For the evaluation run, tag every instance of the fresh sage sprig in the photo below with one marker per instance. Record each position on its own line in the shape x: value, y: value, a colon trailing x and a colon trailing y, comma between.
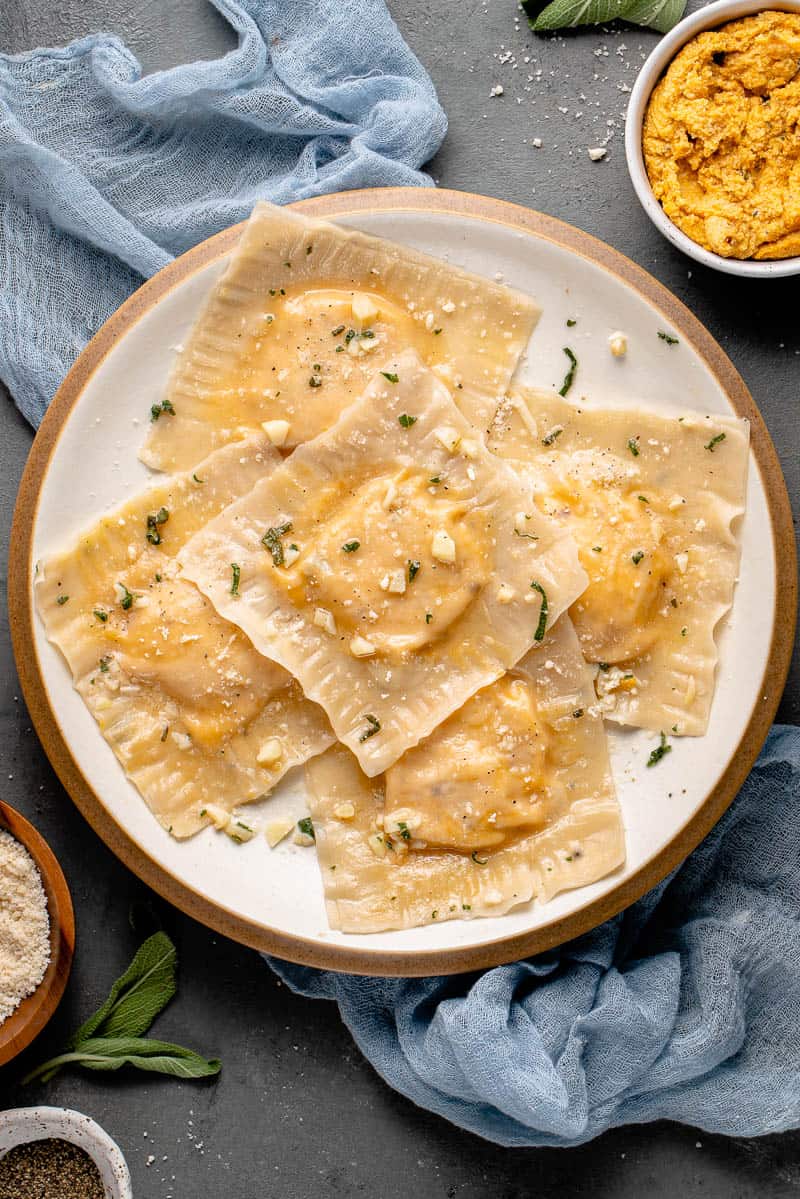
x: 660, y: 15
x: 113, y: 1036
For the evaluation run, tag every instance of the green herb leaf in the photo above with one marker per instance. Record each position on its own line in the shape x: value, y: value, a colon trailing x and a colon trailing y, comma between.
x: 407, y: 421
x: 236, y: 574
x: 315, y: 381
x: 157, y: 410
x: 112, y: 1038
x: 197, y: 479
x: 374, y: 727
x: 306, y: 826
x: 708, y: 446
x: 272, y: 541
x: 633, y: 446
x: 62, y: 599
x: 542, y: 625
x: 566, y: 14
x: 391, y: 376
x: 111, y: 1053
x: 478, y: 861
x: 553, y: 434
x: 404, y: 830
x: 350, y: 547
x: 570, y: 375
x: 668, y: 338
x: 659, y: 752
x: 137, y: 996
x: 428, y: 617
x: 637, y: 557
x: 413, y: 570
x: 337, y: 331
x: 571, y: 322
x: 100, y: 615
x: 126, y: 603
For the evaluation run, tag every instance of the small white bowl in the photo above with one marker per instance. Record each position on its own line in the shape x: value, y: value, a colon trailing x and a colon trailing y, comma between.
x: 24, y: 1124
x: 710, y: 17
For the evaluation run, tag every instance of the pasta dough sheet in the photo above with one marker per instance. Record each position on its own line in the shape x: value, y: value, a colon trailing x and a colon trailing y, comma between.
x: 193, y: 713
x: 393, y: 565
x: 510, y: 799
x: 298, y: 322
x: 651, y: 499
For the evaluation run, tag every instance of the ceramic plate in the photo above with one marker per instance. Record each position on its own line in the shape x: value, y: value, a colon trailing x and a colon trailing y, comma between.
x: 84, y: 460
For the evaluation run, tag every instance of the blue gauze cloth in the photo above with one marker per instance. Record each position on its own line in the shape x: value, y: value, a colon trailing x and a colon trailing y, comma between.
x: 106, y: 176
x: 685, y: 1007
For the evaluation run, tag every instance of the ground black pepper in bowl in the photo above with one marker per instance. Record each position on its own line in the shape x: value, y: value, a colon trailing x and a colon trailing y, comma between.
x: 49, y: 1169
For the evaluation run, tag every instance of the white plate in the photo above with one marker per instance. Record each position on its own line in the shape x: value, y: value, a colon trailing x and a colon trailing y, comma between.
x: 272, y: 898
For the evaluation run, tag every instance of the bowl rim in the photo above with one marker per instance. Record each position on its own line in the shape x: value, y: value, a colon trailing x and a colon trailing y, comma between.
x: 709, y: 17
x: 65, y: 1124
x: 30, y: 1016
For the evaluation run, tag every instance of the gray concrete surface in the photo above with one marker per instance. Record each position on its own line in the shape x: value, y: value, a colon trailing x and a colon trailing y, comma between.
x: 297, y: 1111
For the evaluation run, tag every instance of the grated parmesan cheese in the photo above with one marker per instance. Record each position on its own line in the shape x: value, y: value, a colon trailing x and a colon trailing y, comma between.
x: 24, y: 925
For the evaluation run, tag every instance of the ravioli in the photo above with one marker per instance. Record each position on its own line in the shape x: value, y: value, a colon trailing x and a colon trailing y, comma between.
x: 393, y: 565
x: 651, y: 500
x: 295, y: 327
x: 193, y: 713
x: 510, y: 799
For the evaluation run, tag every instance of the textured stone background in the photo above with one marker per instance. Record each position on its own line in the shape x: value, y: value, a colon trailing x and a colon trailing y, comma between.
x: 297, y: 1111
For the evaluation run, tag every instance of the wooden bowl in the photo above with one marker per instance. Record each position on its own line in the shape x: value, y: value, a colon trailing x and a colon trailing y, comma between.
x: 28, y: 1020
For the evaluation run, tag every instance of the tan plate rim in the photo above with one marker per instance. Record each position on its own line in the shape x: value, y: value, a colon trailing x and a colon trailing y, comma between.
x: 28, y: 1020
x: 347, y: 958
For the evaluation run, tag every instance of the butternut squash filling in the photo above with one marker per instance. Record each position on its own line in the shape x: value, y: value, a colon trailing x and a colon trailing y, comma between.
x: 478, y: 780
x: 622, y: 547
x: 393, y: 560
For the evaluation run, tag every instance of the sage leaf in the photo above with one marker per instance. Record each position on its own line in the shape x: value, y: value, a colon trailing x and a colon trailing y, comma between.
x: 137, y: 997
x: 112, y: 1038
x: 111, y: 1053
x: 566, y: 14
x: 660, y: 15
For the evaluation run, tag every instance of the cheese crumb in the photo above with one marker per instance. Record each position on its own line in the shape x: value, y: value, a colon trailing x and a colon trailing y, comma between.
x: 361, y: 648
x: 276, y: 430
x: 598, y: 153
x: 344, y: 811
x: 448, y: 437
x: 276, y: 830
x: 364, y: 308
x: 270, y: 753
x: 497, y: 90
x: 618, y: 344
x: 443, y: 547
x: 323, y: 619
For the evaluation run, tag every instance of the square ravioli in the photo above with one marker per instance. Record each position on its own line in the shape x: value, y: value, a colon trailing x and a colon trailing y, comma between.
x: 295, y: 327
x: 199, y: 720
x: 393, y: 565
x: 650, y: 499
x: 510, y: 799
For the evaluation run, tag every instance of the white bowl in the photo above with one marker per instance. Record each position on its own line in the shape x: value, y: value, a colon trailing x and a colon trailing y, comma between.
x: 710, y: 17
x: 24, y: 1124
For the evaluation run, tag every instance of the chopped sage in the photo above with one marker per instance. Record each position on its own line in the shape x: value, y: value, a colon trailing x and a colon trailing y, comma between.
x: 570, y: 375
x: 374, y: 727
x: 236, y: 574
x: 272, y: 541
x: 659, y: 752
x: 714, y: 442
x: 542, y: 625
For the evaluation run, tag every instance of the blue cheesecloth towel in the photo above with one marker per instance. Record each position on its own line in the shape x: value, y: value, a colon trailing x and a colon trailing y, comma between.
x: 105, y: 176
x: 684, y: 1007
